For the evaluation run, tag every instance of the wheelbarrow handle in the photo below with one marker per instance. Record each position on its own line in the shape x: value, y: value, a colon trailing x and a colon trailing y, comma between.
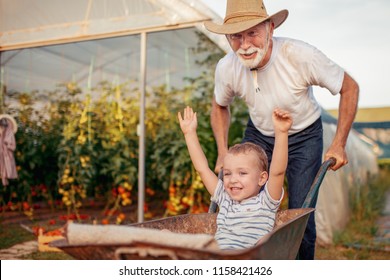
x: 314, y: 188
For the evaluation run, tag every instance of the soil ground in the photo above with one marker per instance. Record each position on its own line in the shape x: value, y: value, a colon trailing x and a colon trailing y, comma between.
x: 52, y: 219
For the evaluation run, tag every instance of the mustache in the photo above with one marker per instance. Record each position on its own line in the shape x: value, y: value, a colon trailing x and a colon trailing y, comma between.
x: 248, y: 51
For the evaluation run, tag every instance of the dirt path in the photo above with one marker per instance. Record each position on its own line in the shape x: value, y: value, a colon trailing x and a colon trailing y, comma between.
x: 44, y: 214
x: 383, y: 237
x: 17, y: 251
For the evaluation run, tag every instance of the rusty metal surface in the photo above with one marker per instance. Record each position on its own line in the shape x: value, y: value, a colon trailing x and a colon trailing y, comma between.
x: 282, y: 243
x: 189, y: 223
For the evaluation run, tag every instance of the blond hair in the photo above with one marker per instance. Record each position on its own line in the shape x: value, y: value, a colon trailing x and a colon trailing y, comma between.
x: 247, y: 147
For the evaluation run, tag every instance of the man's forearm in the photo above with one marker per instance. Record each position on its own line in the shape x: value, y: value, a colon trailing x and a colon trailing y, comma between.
x: 349, y: 96
x: 347, y: 110
x: 220, y: 122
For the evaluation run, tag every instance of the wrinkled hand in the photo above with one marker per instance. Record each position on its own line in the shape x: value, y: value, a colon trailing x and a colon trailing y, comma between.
x: 189, y: 121
x: 339, y: 154
x: 282, y: 120
x: 219, y: 164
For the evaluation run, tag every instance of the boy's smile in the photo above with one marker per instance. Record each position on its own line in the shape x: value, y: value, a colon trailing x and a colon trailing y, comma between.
x: 242, y: 176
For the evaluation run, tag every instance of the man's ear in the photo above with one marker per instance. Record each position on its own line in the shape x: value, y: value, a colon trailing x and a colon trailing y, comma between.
x: 263, y: 178
x: 271, y: 28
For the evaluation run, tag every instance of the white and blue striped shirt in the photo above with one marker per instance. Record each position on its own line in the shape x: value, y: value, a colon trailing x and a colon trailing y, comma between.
x: 241, y: 224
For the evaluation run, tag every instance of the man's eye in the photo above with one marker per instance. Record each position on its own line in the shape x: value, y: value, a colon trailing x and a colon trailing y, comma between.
x: 236, y: 36
x: 253, y: 34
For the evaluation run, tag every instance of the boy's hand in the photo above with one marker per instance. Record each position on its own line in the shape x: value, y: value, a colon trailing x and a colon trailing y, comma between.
x: 189, y: 121
x: 282, y: 120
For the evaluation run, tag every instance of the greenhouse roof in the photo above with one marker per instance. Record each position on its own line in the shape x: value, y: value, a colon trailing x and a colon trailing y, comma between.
x: 26, y: 23
x: 34, y: 37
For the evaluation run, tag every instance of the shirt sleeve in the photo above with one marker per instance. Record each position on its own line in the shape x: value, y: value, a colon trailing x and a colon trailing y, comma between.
x: 326, y: 73
x: 272, y: 203
x: 223, y: 90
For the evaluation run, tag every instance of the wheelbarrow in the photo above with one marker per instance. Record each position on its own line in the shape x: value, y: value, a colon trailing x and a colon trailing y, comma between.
x: 282, y: 242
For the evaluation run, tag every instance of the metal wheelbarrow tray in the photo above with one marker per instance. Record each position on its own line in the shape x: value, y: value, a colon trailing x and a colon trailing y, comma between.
x: 281, y: 243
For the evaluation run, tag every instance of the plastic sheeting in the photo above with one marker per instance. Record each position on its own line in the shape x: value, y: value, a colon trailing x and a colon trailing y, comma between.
x: 333, y: 206
x: 169, y: 55
x: 31, y: 33
x: 379, y: 133
x: 25, y: 23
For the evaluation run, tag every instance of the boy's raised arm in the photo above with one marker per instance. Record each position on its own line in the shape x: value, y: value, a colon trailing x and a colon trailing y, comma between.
x: 188, y: 124
x: 282, y: 122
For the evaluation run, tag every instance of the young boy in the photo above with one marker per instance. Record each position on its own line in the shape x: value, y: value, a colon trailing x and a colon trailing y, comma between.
x: 245, y: 213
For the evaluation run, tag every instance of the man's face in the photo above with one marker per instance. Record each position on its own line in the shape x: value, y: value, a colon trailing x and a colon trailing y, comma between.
x: 251, y: 45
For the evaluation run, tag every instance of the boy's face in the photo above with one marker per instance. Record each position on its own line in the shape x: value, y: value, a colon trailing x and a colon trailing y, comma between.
x: 242, y: 176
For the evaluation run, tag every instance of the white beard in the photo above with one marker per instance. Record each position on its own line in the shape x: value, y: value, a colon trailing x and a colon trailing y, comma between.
x: 251, y: 63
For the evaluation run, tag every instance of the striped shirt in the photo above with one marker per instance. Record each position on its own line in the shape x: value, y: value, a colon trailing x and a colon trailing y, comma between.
x: 241, y: 224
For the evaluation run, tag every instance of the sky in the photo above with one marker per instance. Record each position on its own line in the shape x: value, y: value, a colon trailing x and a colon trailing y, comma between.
x: 353, y: 33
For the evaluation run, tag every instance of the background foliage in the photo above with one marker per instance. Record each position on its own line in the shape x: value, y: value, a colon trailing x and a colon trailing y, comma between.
x: 76, y: 144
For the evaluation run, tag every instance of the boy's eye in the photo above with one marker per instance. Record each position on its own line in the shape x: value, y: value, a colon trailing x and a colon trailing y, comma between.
x: 243, y: 173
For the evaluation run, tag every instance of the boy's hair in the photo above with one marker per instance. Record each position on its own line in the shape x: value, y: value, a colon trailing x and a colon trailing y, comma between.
x: 247, y: 147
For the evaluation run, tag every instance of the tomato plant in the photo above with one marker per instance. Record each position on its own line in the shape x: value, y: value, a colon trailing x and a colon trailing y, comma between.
x: 76, y: 143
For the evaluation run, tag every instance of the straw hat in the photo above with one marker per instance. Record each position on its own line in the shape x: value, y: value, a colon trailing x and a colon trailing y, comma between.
x: 244, y: 14
x: 11, y: 121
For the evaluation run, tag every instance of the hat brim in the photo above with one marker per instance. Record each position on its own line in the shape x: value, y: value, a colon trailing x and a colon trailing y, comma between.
x: 12, y: 120
x: 237, y: 27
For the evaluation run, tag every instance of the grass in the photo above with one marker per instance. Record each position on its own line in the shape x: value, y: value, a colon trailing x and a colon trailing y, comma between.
x: 47, y: 256
x: 355, y: 242
x: 11, y: 234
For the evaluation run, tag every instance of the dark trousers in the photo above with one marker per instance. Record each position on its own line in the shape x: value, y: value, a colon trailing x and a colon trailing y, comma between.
x: 304, y: 160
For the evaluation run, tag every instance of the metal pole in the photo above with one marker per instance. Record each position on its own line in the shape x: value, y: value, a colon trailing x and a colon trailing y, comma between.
x: 141, y: 131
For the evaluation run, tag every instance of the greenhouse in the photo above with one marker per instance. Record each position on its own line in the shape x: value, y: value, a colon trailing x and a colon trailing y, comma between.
x: 95, y: 85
